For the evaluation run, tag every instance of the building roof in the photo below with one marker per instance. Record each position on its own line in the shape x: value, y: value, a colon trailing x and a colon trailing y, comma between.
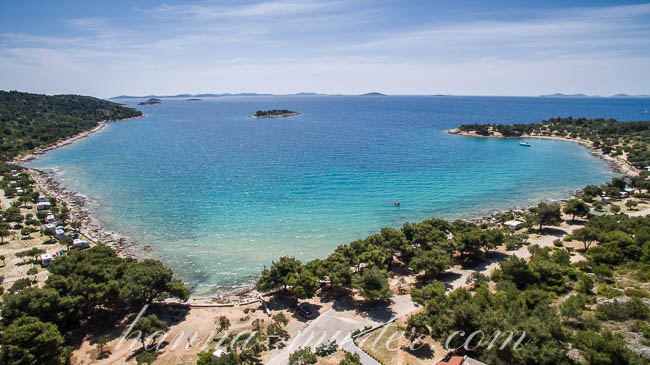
x: 513, y: 223
x: 461, y: 360
x: 455, y: 360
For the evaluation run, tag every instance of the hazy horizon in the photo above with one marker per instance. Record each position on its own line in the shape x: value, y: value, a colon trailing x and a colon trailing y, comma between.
x: 352, y: 47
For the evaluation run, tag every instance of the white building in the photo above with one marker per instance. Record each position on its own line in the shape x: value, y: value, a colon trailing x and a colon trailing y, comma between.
x: 514, y: 224
x: 218, y: 353
x: 59, y: 234
x: 46, y: 259
x: 50, y: 218
x: 43, y: 205
x: 43, y: 198
x: 80, y: 244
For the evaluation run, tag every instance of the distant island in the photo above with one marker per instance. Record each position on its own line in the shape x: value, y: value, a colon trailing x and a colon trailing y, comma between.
x: 193, y: 99
x: 151, y: 101
x: 373, y: 94
x: 560, y: 95
x: 275, y: 113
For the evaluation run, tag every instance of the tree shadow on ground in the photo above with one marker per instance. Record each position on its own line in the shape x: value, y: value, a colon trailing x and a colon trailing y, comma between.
x: 551, y: 231
x: 421, y: 351
x: 378, y: 312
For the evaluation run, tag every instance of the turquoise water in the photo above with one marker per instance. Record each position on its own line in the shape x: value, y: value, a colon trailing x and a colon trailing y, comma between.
x: 218, y: 195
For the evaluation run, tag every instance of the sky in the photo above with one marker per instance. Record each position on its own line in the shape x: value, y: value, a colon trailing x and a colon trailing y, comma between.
x: 498, y: 47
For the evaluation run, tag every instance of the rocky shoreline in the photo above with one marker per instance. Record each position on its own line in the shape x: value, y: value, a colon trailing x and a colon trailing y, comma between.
x: 90, y: 227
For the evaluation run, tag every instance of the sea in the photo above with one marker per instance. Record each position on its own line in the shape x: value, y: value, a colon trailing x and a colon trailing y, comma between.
x: 217, y: 195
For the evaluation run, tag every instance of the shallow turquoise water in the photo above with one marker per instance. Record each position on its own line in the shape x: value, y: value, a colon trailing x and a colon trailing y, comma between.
x: 218, y: 195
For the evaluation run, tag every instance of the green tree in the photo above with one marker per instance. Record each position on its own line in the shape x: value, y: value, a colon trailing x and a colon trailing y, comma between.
x: 102, y: 341
x: 223, y: 323
x: 279, y: 275
x: 303, y: 285
x: 373, y: 285
x: 350, y: 359
x: 576, y: 207
x: 573, y: 306
x: 585, y: 284
x: 631, y: 204
x: 586, y: 235
x: 19, y: 285
x: 604, y: 349
x: 43, y: 303
x: 395, y: 242
x: 546, y: 214
x: 30, y: 341
x: 231, y: 358
x: 49, y: 233
x: 12, y: 215
x: 302, y: 356
x: 433, y: 262
x: 149, y: 280
x: 148, y: 326
x: 434, y: 292
x: 281, y: 319
x: 145, y: 357
x: 4, y: 231
x: 276, y: 333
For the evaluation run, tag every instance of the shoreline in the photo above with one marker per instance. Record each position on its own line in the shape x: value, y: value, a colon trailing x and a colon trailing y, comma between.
x: 33, y: 155
x: 619, y: 166
x: 76, y: 201
x: 92, y: 228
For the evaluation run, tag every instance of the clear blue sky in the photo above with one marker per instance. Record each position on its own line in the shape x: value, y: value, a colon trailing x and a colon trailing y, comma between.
x: 341, y: 46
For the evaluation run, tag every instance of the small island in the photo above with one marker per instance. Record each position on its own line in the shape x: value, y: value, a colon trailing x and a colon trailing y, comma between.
x: 275, y: 113
x: 374, y: 93
x: 193, y: 99
x: 152, y: 101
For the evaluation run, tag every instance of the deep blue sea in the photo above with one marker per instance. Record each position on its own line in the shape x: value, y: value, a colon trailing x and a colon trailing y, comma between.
x: 217, y: 195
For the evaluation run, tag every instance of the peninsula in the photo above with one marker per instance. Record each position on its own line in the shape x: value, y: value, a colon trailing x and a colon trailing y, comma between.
x: 275, y: 113
x: 621, y: 143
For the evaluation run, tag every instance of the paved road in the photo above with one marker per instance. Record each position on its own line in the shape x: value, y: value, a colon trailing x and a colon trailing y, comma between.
x: 338, y: 325
x: 329, y: 325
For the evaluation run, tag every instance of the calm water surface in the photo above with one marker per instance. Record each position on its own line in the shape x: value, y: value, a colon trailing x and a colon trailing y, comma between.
x: 218, y: 195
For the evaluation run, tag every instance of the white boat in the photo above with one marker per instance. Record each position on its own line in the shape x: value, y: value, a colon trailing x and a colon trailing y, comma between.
x: 525, y: 144
x: 645, y: 111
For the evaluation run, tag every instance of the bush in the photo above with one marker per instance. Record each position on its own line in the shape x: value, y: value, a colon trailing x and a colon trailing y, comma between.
x: 608, y: 291
x: 618, y: 311
x: 145, y: 358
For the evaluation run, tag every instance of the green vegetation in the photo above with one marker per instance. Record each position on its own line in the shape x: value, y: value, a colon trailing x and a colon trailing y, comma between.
x: 547, y: 296
x: 31, y: 120
x: 302, y: 356
x: 85, y: 287
x: 527, y: 298
x: 274, y: 113
x: 610, y: 136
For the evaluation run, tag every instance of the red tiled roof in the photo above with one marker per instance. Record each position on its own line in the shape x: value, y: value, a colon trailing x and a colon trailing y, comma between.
x: 455, y: 360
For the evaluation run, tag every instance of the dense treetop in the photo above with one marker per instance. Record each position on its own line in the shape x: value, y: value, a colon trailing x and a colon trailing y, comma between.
x: 29, y: 120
